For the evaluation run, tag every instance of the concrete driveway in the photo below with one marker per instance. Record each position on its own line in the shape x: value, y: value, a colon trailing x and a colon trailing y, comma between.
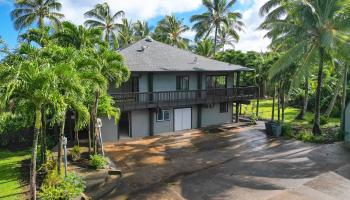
x: 228, y: 163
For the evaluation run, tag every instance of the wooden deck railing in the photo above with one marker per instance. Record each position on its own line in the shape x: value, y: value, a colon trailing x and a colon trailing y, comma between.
x: 134, y: 100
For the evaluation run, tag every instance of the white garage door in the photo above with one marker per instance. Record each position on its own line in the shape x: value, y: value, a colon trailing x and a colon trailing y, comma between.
x: 182, y: 119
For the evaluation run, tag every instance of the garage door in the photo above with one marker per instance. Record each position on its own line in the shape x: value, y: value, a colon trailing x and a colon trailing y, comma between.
x: 182, y: 119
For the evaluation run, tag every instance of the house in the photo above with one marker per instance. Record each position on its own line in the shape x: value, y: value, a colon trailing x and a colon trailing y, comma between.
x: 171, y: 89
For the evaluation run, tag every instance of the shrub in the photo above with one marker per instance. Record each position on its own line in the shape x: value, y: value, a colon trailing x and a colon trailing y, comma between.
x: 323, y: 120
x: 98, y: 161
x: 59, y: 187
x: 310, y: 137
x: 287, y: 131
x: 253, y: 118
x: 75, y: 153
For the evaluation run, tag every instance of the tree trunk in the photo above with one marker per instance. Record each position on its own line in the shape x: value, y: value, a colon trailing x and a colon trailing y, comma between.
x: 43, y: 136
x: 343, y: 100
x: 279, y: 104
x: 59, y: 156
x: 258, y: 104
x: 305, y: 100
x: 76, y: 130
x: 333, y: 100
x: 89, y: 133
x: 282, y: 101
x: 273, y: 104
x: 317, y: 128
x: 215, y: 39
x: 94, y: 119
x: 37, y: 127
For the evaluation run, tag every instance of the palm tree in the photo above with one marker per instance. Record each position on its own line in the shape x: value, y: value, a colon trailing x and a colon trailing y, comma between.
x: 77, y: 36
x: 169, y: 30
x: 205, y: 47
x: 141, y: 29
x: 101, y: 17
x: 218, y: 15
x: 27, y: 12
x: 317, y: 28
x: 126, y: 33
x: 227, y: 37
x: 40, y: 36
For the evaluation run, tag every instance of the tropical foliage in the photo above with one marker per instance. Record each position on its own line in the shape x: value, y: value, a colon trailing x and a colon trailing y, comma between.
x: 220, y: 19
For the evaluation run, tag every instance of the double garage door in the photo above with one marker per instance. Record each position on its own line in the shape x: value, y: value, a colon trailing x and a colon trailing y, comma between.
x: 182, y: 119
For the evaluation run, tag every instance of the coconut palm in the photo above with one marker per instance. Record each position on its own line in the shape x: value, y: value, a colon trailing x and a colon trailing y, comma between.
x: 205, y: 47
x: 78, y: 36
x: 28, y: 12
x: 219, y: 14
x: 169, y: 30
x: 102, y: 17
x: 319, y: 27
x: 126, y: 33
x: 141, y: 29
x: 40, y: 36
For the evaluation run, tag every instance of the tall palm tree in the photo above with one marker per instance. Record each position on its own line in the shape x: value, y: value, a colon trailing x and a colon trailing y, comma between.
x: 102, y: 17
x: 77, y: 36
x: 219, y: 14
x: 227, y: 37
x: 318, y: 28
x: 126, y: 33
x: 141, y: 29
x: 27, y: 12
x: 169, y: 30
x: 205, y: 47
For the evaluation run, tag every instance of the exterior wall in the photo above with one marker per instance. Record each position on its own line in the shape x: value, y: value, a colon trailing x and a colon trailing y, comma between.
x: 164, y: 126
x: 109, y: 130
x: 167, y: 81
x: 140, y: 123
x: 347, y: 124
x: 194, y: 116
x: 143, y: 82
x: 212, y: 116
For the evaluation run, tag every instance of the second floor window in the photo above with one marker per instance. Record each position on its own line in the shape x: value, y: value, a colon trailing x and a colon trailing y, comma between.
x: 214, y: 82
x: 182, y: 83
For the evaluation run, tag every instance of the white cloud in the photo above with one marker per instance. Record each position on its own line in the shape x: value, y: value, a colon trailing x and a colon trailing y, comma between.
x: 134, y: 9
x: 190, y: 34
x: 252, y: 39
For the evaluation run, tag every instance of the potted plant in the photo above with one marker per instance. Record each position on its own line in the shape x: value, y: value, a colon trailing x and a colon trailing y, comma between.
x: 268, y: 127
x: 276, y: 129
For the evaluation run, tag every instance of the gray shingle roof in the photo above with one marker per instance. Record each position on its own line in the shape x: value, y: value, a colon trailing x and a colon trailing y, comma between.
x: 153, y: 56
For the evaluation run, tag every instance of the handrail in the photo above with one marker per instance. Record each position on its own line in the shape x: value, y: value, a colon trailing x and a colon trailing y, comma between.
x: 205, y: 96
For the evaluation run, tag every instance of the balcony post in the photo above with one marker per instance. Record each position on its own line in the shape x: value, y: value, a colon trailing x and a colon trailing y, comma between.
x: 150, y: 87
x: 238, y: 75
x: 199, y: 96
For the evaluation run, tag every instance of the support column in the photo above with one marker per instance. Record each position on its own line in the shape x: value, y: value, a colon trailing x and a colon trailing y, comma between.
x: 199, y: 107
x: 151, y: 122
x: 238, y: 75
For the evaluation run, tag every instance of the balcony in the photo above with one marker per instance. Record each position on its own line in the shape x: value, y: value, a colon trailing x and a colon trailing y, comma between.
x: 140, y: 100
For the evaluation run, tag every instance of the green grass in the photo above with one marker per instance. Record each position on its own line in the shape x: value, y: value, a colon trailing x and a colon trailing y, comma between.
x: 10, y: 163
x: 265, y: 111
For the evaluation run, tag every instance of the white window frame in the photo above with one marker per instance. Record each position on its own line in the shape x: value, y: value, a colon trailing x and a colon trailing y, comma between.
x: 163, y: 115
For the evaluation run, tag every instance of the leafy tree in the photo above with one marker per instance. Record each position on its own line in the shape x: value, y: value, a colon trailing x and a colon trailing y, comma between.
x: 77, y: 36
x: 40, y: 36
x: 205, y: 47
x: 28, y: 12
x: 126, y: 33
x: 219, y: 17
x: 141, y: 29
x: 102, y: 17
x: 169, y: 31
x: 321, y: 27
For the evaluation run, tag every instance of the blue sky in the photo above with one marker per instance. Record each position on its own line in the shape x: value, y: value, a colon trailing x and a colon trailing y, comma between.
x: 151, y: 11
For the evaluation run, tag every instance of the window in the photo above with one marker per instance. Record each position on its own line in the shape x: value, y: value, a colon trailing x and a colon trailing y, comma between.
x: 163, y: 115
x: 223, y: 107
x: 216, y: 82
x: 182, y: 83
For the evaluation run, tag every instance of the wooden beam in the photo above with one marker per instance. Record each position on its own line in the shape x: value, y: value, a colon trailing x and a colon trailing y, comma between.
x: 238, y: 76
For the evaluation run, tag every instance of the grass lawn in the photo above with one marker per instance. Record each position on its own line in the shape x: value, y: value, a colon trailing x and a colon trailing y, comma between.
x: 10, y: 172
x: 265, y: 110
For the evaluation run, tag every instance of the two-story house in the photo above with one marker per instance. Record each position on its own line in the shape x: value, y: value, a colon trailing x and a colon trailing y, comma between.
x: 171, y: 89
